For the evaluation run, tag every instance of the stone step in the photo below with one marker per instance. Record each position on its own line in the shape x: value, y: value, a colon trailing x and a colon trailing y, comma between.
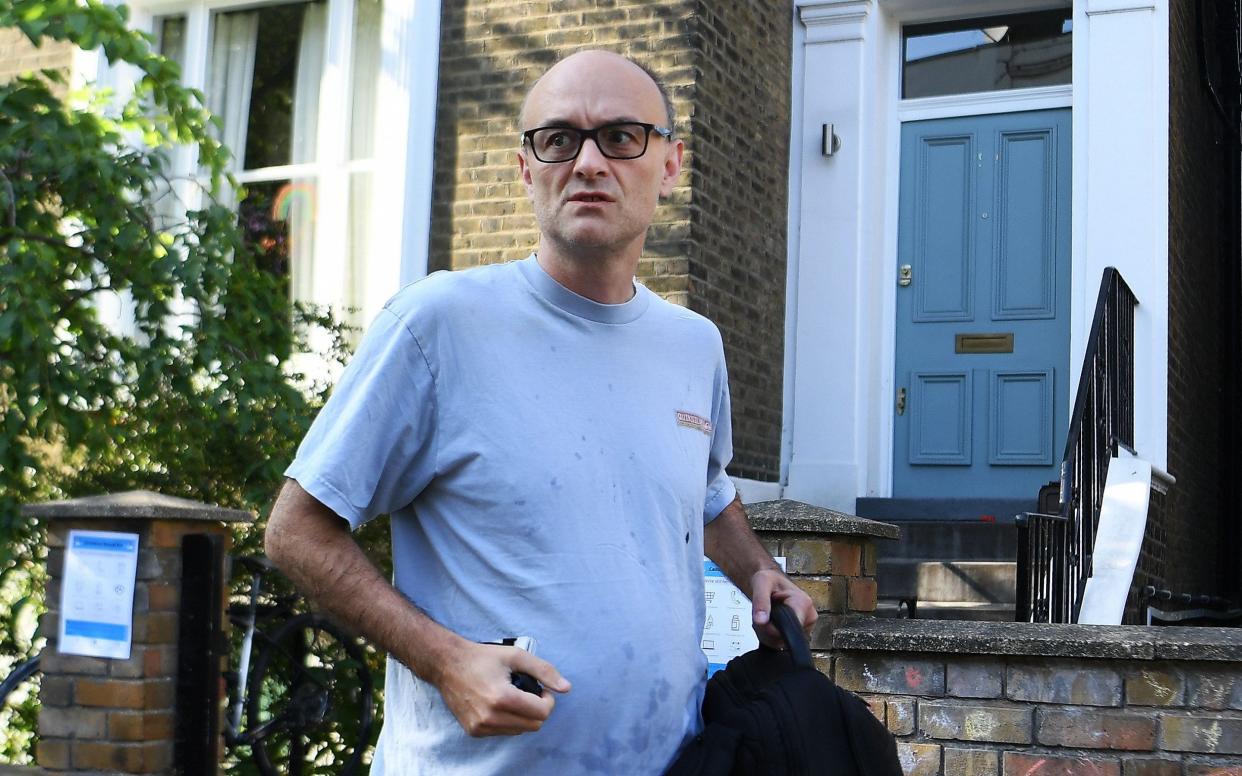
x: 964, y: 610
x: 975, y: 581
x: 888, y: 608
x: 897, y: 578
x: 951, y: 540
x: 989, y: 582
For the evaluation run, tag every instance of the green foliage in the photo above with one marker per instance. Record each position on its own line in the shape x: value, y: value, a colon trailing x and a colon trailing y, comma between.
x: 194, y: 393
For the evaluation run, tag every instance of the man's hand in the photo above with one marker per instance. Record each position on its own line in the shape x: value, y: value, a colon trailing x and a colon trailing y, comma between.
x: 477, y: 688
x: 770, y: 586
x: 730, y: 542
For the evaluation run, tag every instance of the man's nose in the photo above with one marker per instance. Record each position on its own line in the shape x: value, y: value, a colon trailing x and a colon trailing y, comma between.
x: 591, y: 162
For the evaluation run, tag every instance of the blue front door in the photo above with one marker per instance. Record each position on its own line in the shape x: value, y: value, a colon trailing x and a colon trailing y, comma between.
x: 982, y: 338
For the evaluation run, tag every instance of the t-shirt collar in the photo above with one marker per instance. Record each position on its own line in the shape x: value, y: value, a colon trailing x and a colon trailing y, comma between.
x: 575, y: 304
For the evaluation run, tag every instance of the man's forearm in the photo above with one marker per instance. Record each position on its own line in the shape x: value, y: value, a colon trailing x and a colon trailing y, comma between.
x: 729, y: 541
x: 313, y: 547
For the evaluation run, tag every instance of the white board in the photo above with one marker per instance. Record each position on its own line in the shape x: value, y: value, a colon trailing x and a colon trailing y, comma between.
x: 97, y: 594
x: 1118, y: 541
x: 727, y: 628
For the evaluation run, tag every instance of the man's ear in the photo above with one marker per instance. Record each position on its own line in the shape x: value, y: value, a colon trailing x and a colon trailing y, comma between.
x: 672, y: 167
x: 524, y: 170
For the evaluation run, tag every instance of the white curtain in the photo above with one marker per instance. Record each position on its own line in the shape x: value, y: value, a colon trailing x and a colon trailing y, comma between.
x: 229, y: 79
x: 305, y: 129
x: 366, y: 76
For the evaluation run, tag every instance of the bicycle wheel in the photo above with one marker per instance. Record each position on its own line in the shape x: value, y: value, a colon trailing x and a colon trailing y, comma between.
x: 18, y: 675
x: 309, y: 701
x: 19, y: 712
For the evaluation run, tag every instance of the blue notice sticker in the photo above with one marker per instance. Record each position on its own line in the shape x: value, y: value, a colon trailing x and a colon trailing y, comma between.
x: 96, y: 630
x: 104, y: 544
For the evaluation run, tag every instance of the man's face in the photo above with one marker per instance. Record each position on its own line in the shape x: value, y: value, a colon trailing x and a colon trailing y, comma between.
x: 594, y: 205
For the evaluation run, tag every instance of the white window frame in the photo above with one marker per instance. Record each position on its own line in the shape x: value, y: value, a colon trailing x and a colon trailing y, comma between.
x: 403, y: 148
x: 331, y: 167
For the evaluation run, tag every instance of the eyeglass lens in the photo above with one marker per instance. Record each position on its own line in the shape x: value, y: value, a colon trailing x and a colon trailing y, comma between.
x: 616, y: 141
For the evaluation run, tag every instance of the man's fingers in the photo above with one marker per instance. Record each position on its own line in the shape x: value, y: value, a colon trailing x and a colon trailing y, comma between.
x: 507, y: 723
x: 799, y: 603
x: 769, y: 587
x: 525, y: 704
x: 509, y: 711
x: 541, y: 670
x: 761, y: 599
x: 482, y: 697
x: 806, y: 614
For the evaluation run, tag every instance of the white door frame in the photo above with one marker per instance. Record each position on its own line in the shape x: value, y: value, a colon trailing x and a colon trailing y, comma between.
x: 841, y: 302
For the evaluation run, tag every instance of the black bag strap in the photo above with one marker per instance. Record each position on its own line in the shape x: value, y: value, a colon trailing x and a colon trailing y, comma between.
x: 791, y: 631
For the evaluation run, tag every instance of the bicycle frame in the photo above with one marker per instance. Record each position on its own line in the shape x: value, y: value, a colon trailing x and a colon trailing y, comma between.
x: 243, y: 667
x: 279, y: 729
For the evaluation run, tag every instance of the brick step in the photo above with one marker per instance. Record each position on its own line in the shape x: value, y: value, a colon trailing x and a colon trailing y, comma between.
x: 935, y: 580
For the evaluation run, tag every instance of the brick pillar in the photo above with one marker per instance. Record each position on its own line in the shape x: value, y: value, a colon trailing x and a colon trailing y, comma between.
x: 102, y: 714
x: 829, y: 554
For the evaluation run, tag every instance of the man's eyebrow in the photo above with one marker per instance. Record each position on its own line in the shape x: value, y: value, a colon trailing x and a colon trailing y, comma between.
x: 559, y: 122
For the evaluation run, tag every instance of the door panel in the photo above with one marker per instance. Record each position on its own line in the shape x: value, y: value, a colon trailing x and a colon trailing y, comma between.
x: 941, y: 406
x: 982, y: 328
x: 1025, y: 280
x: 944, y: 231
x: 1021, y: 421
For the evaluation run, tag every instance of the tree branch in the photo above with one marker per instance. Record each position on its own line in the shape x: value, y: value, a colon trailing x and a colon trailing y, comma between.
x: 8, y: 187
x: 78, y: 296
x: 12, y: 233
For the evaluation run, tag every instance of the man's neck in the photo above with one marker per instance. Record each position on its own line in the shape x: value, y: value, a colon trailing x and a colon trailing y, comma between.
x: 607, y: 279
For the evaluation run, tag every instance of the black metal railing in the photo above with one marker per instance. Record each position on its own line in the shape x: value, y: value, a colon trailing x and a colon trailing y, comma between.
x: 1055, y: 550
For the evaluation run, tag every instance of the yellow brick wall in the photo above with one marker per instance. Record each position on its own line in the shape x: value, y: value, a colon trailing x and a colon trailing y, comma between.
x: 18, y: 55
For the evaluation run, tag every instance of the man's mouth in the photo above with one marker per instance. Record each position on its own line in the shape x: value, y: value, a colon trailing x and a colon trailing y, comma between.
x: 590, y: 198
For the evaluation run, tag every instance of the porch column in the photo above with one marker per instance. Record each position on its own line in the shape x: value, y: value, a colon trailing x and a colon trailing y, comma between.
x: 1121, y: 190
x: 827, y: 415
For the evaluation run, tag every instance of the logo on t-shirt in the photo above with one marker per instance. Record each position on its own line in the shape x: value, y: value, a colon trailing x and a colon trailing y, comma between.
x: 690, y: 420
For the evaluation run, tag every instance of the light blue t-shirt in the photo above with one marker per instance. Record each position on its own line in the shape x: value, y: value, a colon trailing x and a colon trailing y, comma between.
x: 549, y: 463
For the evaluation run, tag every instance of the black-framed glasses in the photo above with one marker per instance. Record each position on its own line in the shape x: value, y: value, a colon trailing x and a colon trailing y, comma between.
x: 622, y: 140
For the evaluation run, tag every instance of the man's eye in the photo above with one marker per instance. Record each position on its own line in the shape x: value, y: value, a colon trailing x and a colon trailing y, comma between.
x: 619, y: 136
x: 557, y: 140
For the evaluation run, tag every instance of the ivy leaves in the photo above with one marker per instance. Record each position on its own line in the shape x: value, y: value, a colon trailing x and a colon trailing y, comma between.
x: 142, y: 344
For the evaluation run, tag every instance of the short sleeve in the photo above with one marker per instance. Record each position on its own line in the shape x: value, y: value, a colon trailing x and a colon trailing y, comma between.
x: 372, y: 448
x: 720, y: 489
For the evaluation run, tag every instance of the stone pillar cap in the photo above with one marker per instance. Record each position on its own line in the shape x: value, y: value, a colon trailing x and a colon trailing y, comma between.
x: 787, y: 515
x: 143, y: 504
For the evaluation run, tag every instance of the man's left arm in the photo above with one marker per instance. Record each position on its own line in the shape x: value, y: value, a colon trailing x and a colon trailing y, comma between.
x: 729, y: 541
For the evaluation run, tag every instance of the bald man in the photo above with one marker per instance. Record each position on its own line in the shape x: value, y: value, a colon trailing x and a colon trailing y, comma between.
x: 550, y: 440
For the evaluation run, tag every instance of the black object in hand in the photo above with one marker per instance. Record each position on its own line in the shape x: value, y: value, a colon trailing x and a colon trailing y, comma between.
x: 526, y: 683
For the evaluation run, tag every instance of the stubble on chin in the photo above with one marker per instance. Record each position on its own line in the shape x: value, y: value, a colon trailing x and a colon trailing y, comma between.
x: 582, y: 238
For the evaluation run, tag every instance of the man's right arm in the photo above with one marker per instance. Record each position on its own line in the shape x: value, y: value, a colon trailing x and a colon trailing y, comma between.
x: 313, y: 546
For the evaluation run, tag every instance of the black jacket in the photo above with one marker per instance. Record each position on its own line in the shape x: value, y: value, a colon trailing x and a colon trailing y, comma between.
x: 772, y: 713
